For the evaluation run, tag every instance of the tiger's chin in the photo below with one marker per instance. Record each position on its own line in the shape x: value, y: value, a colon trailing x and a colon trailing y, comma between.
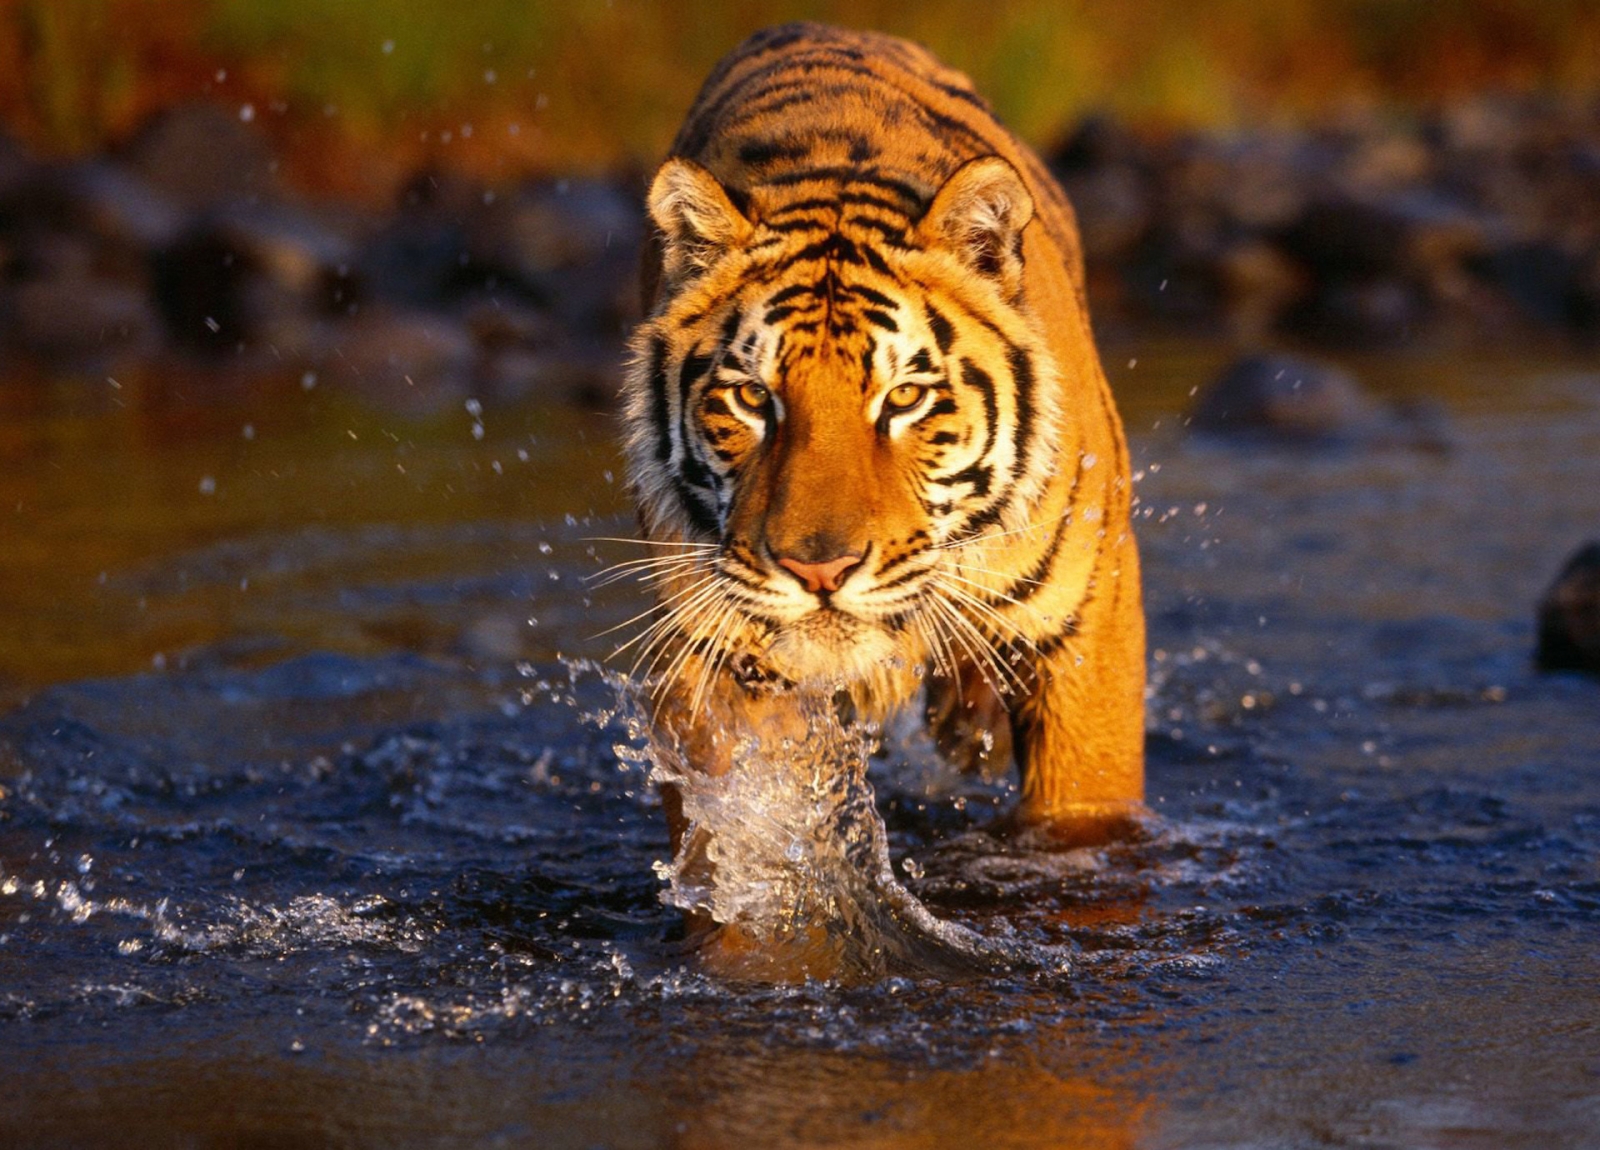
x: 831, y: 649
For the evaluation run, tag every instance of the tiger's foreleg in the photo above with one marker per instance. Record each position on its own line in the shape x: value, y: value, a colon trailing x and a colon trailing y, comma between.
x: 1078, y: 733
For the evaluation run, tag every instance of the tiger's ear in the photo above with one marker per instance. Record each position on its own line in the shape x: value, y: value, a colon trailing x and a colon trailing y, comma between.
x: 696, y: 220
x: 979, y: 214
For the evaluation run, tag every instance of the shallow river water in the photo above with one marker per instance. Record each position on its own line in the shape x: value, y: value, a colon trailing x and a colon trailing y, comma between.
x: 313, y: 830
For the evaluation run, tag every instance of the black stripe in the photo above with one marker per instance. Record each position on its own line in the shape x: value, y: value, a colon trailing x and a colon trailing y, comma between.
x: 873, y: 177
x: 876, y: 262
x: 901, y: 579
x: 1029, y: 584
x: 880, y: 319
x: 976, y: 377
x: 870, y: 295
x: 789, y: 227
x: 834, y: 249
x: 966, y: 94
x: 701, y: 517
x: 814, y: 204
x: 979, y: 475
x: 1022, y: 376
x: 790, y: 292
x: 759, y: 152
x: 659, y: 416
x: 694, y: 368
x: 944, y: 334
x: 869, y: 199
x: 893, y: 233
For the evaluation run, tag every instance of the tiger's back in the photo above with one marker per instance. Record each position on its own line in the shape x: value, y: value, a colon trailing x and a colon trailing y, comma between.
x: 869, y: 109
x: 835, y: 232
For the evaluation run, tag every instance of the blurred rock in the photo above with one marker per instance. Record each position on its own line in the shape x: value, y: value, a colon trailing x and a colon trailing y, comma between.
x: 1540, y: 278
x: 14, y: 163
x: 570, y: 246
x: 1301, y: 402
x: 1105, y: 170
x: 420, y: 257
x: 1285, y: 398
x: 1259, y: 284
x: 79, y: 321
x: 405, y: 361
x: 86, y: 204
x: 203, y: 155
x: 1569, y: 616
x: 246, y: 273
x: 526, y: 353
x: 1376, y: 311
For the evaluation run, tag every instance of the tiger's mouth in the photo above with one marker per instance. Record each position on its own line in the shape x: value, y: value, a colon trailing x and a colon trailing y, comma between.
x: 829, y: 646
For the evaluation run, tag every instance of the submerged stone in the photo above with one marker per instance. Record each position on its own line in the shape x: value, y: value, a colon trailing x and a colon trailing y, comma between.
x: 1569, y: 616
x: 1304, y: 402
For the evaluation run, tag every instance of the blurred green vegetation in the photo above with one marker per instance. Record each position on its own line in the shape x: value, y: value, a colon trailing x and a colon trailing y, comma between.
x: 356, y: 90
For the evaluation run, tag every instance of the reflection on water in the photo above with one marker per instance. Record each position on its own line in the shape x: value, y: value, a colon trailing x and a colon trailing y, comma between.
x: 353, y: 866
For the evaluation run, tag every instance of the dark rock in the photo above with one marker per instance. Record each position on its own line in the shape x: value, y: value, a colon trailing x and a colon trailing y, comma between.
x: 1099, y: 141
x: 568, y: 245
x: 406, y: 361
x: 1106, y: 172
x: 1543, y: 280
x: 526, y: 353
x: 1569, y: 616
x: 202, y: 155
x: 15, y: 164
x: 1347, y: 239
x: 1173, y: 273
x: 79, y: 321
x: 1114, y: 208
x: 1259, y: 285
x: 1284, y: 398
x: 421, y: 257
x: 419, y: 260
x: 244, y: 273
x: 584, y: 373
x: 1297, y: 402
x: 1381, y: 311
x: 89, y: 203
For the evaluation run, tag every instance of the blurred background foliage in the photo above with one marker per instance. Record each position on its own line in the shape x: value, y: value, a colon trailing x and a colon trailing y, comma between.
x: 356, y: 93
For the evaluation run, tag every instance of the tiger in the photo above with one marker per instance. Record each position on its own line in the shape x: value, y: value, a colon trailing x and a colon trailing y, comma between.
x: 868, y: 435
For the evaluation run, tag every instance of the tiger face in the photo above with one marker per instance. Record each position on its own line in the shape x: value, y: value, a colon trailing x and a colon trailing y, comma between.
x: 838, y: 402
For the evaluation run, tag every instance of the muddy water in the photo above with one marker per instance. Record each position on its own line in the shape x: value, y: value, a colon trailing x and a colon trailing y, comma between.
x: 312, y: 830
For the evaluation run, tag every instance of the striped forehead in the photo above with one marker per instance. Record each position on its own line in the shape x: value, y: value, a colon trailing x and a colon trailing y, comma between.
x: 814, y: 313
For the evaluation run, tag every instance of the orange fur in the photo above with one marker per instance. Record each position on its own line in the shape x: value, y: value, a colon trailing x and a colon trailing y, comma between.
x: 868, y: 350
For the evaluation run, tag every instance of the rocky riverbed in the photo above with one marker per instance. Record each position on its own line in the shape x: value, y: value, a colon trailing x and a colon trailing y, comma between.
x: 1480, y: 223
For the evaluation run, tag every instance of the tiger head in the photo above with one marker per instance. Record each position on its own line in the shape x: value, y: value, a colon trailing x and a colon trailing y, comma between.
x: 838, y: 394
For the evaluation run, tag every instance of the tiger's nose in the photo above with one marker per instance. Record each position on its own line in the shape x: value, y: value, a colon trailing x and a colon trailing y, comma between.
x: 826, y: 576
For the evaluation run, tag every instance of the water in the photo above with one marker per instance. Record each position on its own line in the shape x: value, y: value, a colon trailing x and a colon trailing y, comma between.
x: 344, y: 856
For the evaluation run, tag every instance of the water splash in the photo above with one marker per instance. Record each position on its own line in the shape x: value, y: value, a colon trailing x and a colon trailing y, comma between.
x: 785, y: 871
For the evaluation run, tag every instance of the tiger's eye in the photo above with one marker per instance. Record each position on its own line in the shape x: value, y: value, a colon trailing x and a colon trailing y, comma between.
x: 905, y: 397
x: 752, y: 396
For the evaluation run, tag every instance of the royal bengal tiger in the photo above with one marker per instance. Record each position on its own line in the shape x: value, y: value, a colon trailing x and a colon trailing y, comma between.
x: 868, y: 432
